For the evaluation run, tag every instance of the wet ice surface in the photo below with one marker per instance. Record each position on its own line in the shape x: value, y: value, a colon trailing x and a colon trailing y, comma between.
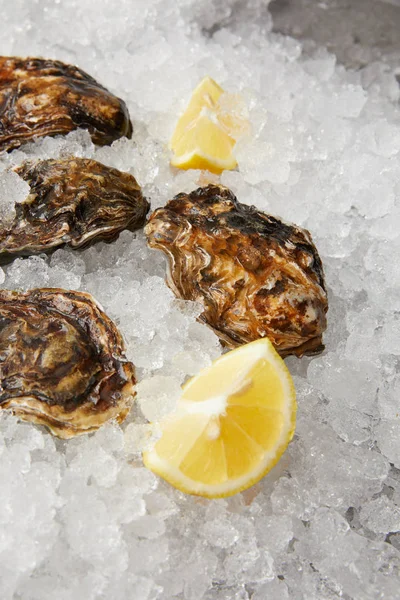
x: 84, y: 519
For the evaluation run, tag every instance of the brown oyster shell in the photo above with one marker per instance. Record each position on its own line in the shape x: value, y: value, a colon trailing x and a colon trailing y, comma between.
x: 255, y: 275
x: 62, y: 361
x: 73, y: 202
x: 41, y: 97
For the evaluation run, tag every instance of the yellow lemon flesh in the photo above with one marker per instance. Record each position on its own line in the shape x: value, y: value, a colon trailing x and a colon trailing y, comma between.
x: 200, y: 141
x: 206, y: 95
x: 233, y: 422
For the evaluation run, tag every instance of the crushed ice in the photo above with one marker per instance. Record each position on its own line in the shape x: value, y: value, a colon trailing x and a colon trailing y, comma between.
x: 13, y: 190
x: 84, y: 519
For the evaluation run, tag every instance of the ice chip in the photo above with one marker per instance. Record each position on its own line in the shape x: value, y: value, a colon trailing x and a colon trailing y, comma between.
x: 13, y: 190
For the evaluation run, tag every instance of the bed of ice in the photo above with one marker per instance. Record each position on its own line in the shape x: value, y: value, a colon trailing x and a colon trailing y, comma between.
x: 84, y: 519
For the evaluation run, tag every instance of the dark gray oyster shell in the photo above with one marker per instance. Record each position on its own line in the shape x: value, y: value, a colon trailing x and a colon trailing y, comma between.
x: 62, y: 361
x: 41, y: 97
x: 74, y: 202
x: 255, y: 275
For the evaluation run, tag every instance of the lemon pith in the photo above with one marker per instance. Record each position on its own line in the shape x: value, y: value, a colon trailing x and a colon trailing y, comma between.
x: 232, y: 424
x: 199, y: 140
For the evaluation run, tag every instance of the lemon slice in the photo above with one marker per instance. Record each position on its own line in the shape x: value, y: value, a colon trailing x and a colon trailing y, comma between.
x: 200, y: 140
x: 233, y: 422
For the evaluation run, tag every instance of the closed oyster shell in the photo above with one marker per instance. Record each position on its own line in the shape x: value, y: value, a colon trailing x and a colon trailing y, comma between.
x: 74, y: 202
x: 62, y: 361
x: 41, y: 97
x: 255, y: 275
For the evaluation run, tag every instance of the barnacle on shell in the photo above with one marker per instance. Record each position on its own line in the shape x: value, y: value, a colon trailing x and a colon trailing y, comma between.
x: 41, y: 97
x: 62, y: 361
x: 74, y: 202
x: 255, y: 275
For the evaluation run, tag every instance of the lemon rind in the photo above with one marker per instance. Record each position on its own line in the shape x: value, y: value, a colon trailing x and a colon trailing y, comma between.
x: 213, y: 164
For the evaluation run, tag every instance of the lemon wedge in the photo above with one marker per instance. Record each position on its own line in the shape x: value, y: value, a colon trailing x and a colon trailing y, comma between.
x: 232, y: 423
x: 204, y: 146
x: 205, y: 95
x: 200, y: 140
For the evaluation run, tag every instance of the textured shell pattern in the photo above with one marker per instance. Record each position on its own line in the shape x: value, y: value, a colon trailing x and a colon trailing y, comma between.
x: 62, y: 361
x: 255, y: 275
x: 74, y: 202
x: 40, y: 97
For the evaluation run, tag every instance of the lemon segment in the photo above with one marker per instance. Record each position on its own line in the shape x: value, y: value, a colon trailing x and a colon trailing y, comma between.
x: 204, y: 146
x: 200, y: 140
x: 232, y: 424
x: 206, y: 94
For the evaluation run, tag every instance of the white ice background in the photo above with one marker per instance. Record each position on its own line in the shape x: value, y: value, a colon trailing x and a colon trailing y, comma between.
x: 84, y: 520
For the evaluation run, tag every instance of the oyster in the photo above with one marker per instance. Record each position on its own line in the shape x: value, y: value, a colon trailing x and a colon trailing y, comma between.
x: 62, y: 361
x: 73, y: 202
x: 255, y: 275
x: 41, y: 97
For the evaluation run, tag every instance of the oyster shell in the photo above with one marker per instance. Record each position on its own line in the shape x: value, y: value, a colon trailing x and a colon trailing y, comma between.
x: 73, y: 202
x: 255, y: 275
x: 62, y: 361
x: 41, y: 97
